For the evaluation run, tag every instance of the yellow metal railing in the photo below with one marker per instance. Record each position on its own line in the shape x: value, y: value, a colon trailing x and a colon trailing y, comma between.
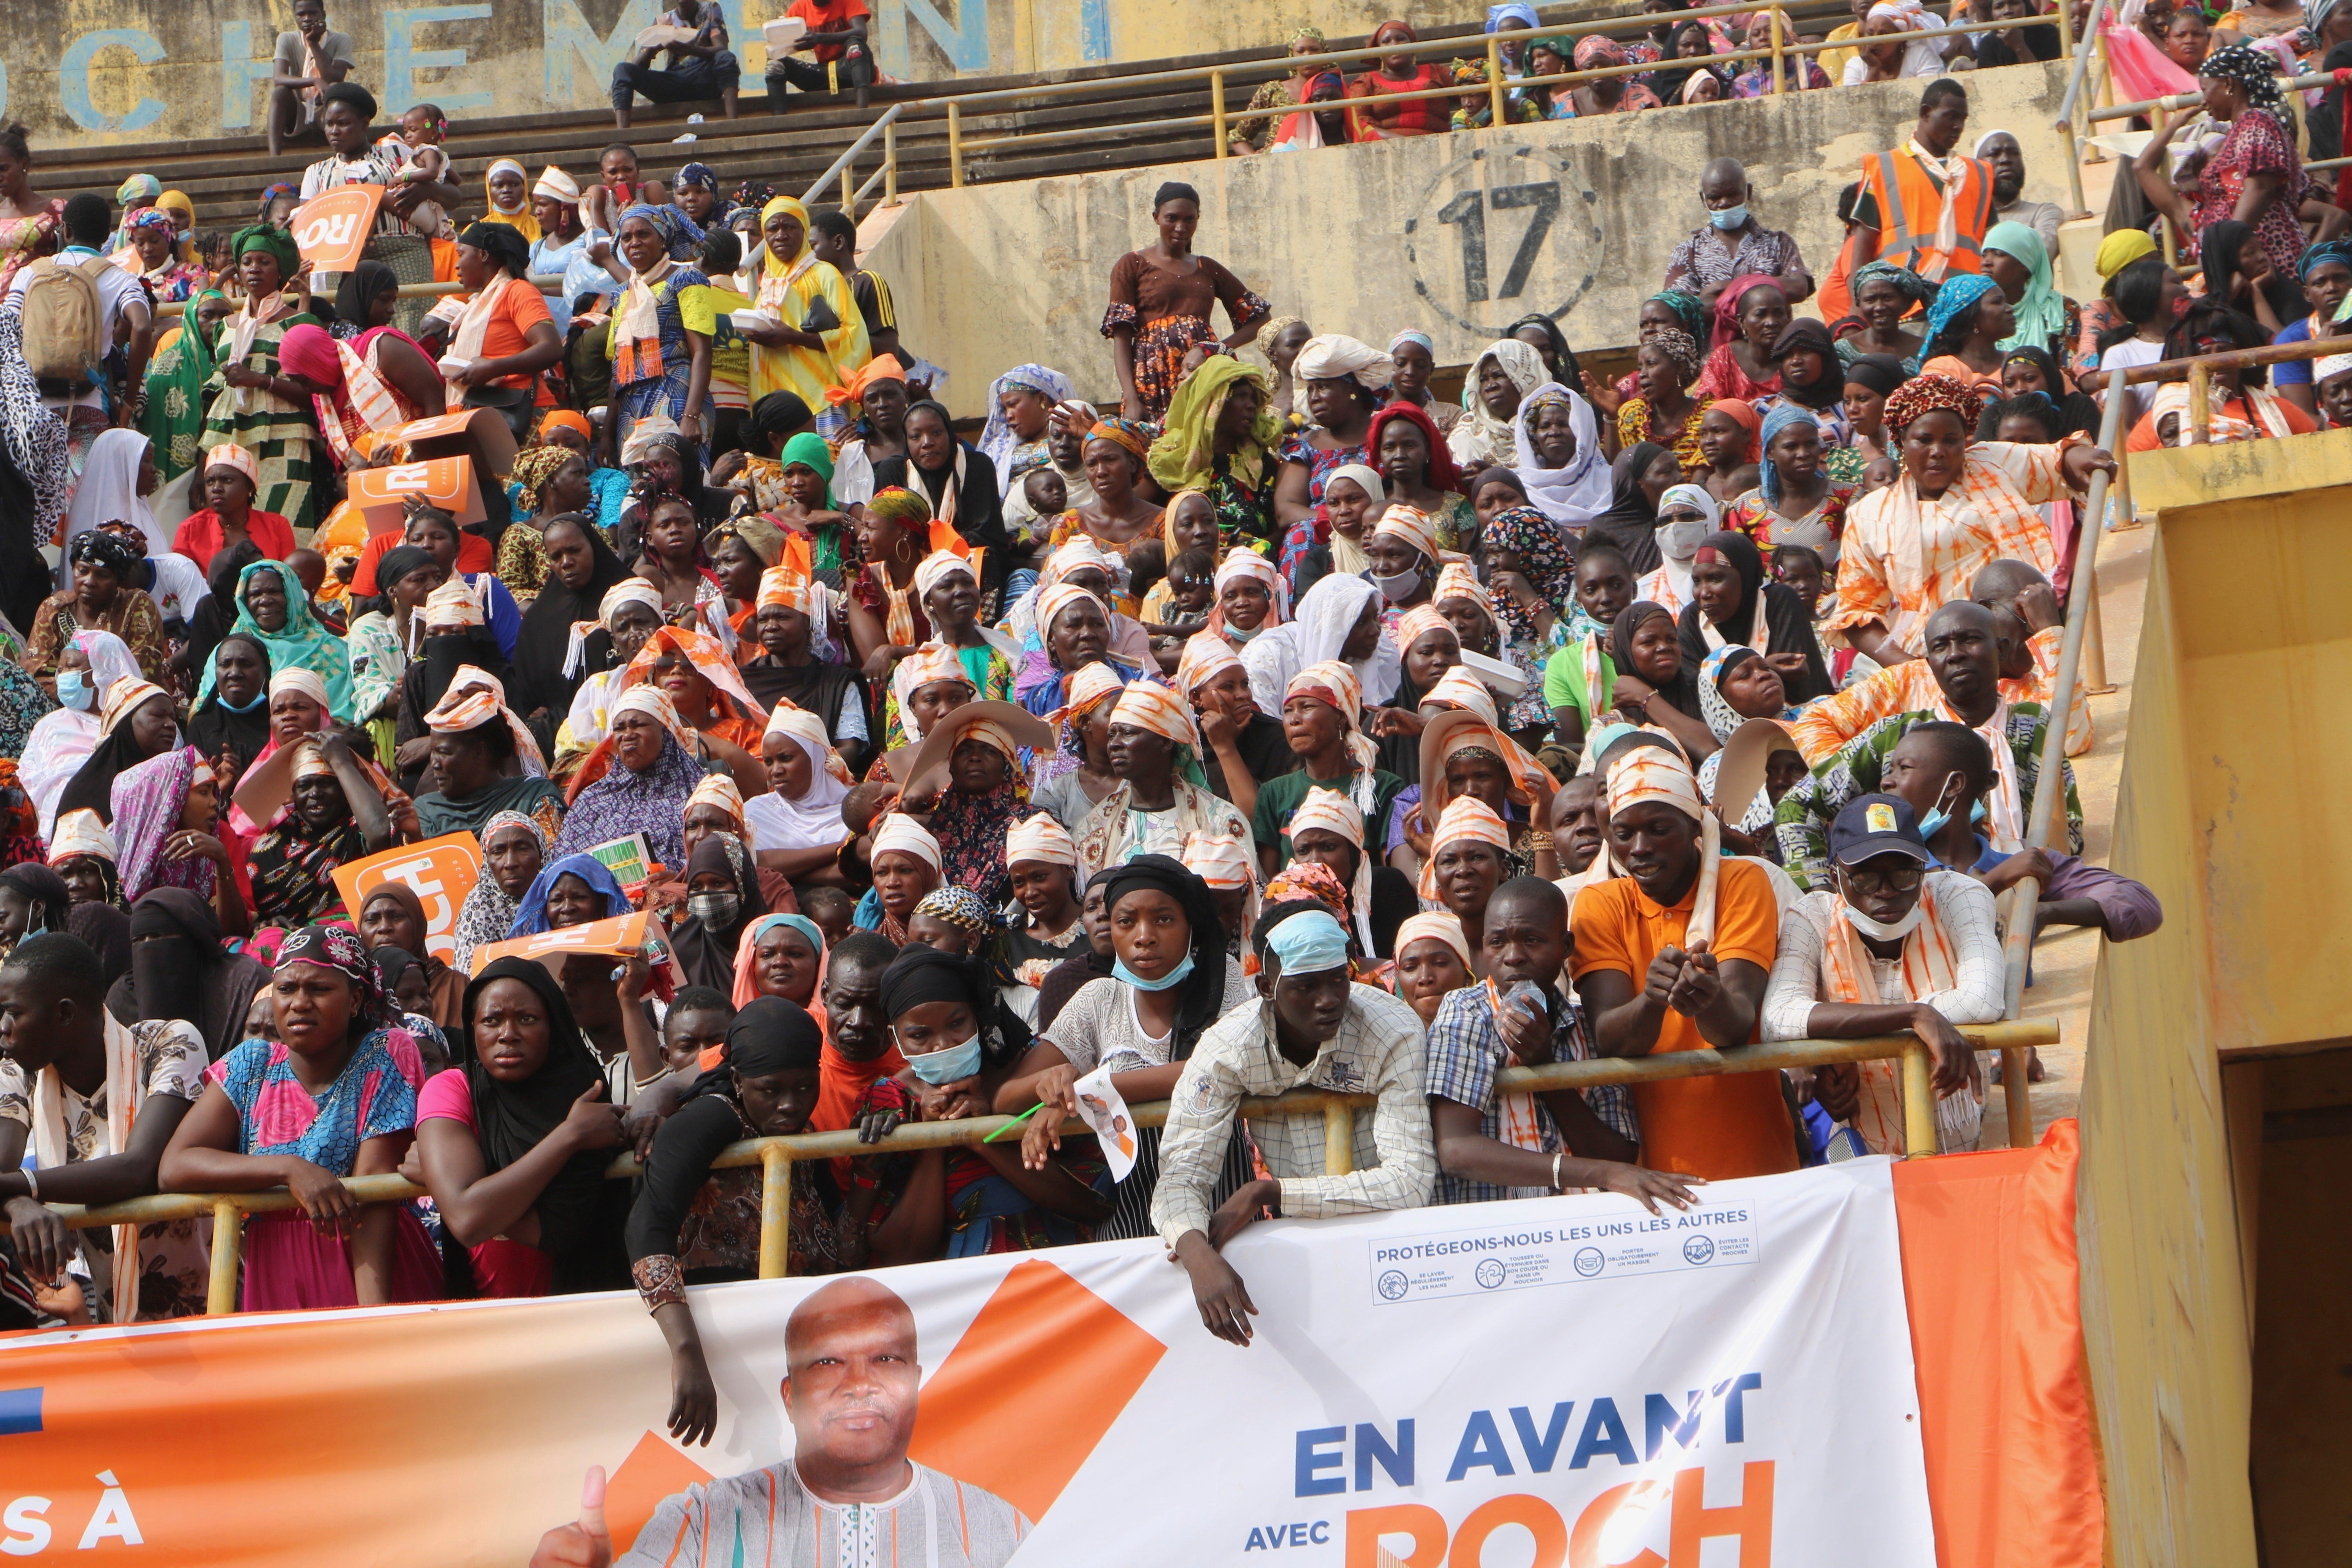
x: 774, y: 1156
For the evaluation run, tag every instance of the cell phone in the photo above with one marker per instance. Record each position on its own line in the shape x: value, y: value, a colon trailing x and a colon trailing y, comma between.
x: 1528, y: 997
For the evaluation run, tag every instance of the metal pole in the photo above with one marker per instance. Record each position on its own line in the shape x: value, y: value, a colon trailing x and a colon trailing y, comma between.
x: 1918, y: 1103
x: 775, y: 1210
x: 1338, y: 1140
x: 955, y: 146
x: 2200, y: 407
x: 891, y: 164
x: 1779, y: 80
x: 228, y: 1235
x: 2081, y: 63
x: 848, y: 195
x: 2095, y: 656
x: 1217, y: 108
x: 1495, y: 79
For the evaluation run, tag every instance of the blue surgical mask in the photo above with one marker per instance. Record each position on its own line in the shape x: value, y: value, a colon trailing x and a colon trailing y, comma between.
x: 1176, y: 976
x: 1729, y: 218
x: 73, y: 690
x: 252, y: 702
x: 1933, y: 823
x: 943, y: 1067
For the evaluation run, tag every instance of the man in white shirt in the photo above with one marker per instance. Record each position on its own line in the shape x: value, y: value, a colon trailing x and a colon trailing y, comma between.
x: 126, y: 326
x: 171, y: 579
x: 1313, y: 1026
x: 1893, y: 948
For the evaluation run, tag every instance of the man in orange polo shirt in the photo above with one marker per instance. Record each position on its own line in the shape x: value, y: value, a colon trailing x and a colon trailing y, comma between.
x: 1672, y: 957
x: 1924, y: 205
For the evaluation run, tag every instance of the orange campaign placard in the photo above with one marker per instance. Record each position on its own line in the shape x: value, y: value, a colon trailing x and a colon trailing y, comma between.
x: 331, y: 230
x: 621, y: 935
x: 443, y: 872
x: 444, y: 483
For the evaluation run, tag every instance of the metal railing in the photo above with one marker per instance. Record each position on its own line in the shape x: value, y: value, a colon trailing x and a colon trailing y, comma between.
x: 885, y: 127
x: 1495, y: 88
x: 775, y: 1156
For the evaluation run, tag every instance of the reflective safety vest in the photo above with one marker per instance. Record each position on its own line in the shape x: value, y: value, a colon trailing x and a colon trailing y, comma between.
x: 1909, y: 206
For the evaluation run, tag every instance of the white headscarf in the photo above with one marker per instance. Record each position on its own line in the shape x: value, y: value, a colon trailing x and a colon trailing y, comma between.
x: 1479, y: 439
x: 64, y: 740
x: 813, y: 818
x: 1921, y: 57
x: 1575, y: 495
x: 1317, y: 630
x: 109, y: 491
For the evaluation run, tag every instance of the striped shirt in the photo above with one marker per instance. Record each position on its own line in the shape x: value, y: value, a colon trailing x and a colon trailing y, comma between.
x: 1377, y: 1051
x: 768, y: 1519
x: 1903, y: 557
x: 1820, y: 728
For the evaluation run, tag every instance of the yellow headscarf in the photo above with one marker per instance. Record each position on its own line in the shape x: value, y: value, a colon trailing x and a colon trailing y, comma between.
x: 526, y: 222
x: 785, y: 205
x: 178, y: 202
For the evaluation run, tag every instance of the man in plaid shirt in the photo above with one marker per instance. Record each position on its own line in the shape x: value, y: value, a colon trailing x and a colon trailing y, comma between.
x: 1491, y: 1144
x: 1313, y: 1026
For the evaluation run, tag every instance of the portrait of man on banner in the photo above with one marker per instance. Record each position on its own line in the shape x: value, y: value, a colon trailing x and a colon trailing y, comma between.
x: 848, y: 1494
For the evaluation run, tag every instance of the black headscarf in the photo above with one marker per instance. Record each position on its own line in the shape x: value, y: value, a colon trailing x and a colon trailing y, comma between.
x: 772, y: 1033
x: 919, y: 975
x: 361, y: 287
x: 1807, y: 333
x: 108, y: 930
x: 545, y: 639
x: 2075, y: 411
x: 515, y: 1119
x: 508, y: 251
x: 92, y: 787
x: 175, y: 955
x: 1203, y: 996
x: 397, y: 563
x: 1681, y: 693
x: 1880, y: 373
x: 1788, y: 630
x: 780, y: 414
x: 211, y: 723
x: 979, y: 511
x: 1631, y: 523
x: 707, y: 955
x: 1571, y: 374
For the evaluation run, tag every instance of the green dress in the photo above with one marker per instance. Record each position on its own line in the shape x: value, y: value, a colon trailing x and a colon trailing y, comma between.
x: 176, y: 375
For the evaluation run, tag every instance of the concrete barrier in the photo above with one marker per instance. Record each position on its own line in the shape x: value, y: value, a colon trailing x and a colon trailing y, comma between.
x: 150, y: 70
x: 1459, y: 234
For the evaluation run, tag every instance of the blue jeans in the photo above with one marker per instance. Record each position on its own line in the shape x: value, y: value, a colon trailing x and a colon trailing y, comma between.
x: 683, y: 83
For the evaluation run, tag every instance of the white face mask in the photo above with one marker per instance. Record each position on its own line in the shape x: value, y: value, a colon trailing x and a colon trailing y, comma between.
x: 1680, y: 540
x: 1881, y: 929
x: 1404, y: 585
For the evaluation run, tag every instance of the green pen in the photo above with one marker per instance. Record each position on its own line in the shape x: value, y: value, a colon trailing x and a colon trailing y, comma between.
x: 1014, y: 1122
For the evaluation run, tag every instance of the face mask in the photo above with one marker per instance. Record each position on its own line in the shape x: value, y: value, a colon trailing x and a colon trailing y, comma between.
x: 1176, y: 976
x: 1730, y: 218
x: 252, y: 702
x: 715, y: 911
x: 1680, y: 540
x: 73, y: 690
x: 1881, y: 929
x: 941, y: 1067
x: 1403, y: 585
x: 1933, y: 823
x: 1248, y: 635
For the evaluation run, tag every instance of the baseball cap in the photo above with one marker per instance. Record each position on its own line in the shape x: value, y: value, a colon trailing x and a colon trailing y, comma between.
x: 1876, y: 825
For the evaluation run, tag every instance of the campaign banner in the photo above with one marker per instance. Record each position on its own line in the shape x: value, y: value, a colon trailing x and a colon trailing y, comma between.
x: 331, y: 230
x: 447, y: 483
x: 443, y: 872
x: 1570, y: 1382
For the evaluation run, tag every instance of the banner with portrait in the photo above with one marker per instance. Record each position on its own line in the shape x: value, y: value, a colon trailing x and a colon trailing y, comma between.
x: 1572, y: 1382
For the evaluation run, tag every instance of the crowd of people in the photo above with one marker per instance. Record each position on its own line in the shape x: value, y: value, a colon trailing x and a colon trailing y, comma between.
x: 1281, y: 725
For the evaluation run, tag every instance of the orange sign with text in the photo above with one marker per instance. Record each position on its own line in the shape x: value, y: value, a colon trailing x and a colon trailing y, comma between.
x: 443, y: 872
x: 444, y: 483
x: 620, y: 936
x: 331, y: 230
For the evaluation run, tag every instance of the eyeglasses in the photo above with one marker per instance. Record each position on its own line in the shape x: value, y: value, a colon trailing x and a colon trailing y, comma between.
x: 1903, y: 879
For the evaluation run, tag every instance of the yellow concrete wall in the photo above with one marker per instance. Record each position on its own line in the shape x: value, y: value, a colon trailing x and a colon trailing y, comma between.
x: 2164, y: 1311
x: 148, y: 71
x: 1369, y: 240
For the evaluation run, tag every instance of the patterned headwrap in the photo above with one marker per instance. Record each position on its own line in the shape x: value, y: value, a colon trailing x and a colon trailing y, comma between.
x: 1053, y: 601
x: 532, y: 469
x: 1680, y: 347
x: 2250, y: 69
x: 1249, y: 564
x: 900, y: 833
x: 270, y: 194
x: 1220, y: 859
x: 1332, y: 812
x: 1904, y: 281
x: 936, y: 568
x: 959, y: 906
x: 452, y: 605
x: 275, y: 240
x: 102, y: 549
x: 809, y: 732
x: 1928, y: 393
x: 1458, y: 580
x: 680, y: 235
x: 719, y: 790
x: 1148, y: 705
x: 1690, y: 307
x: 1594, y: 52
x: 1410, y: 524
x: 1041, y: 839
x: 1334, y: 682
x: 696, y: 177
x: 900, y: 506
x: 1124, y: 432
x: 1418, y: 623
x: 2325, y: 250
x: 1957, y: 295
x: 1465, y: 816
x: 138, y: 187
x: 1652, y: 774
x: 81, y: 832
x: 654, y: 702
x: 294, y: 678
x: 1206, y: 657
x: 1457, y: 688
x: 337, y: 948
x: 1435, y: 925
x: 156, y: 219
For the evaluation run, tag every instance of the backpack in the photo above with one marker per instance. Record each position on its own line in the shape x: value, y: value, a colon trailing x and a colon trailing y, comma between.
x: 64, y: 319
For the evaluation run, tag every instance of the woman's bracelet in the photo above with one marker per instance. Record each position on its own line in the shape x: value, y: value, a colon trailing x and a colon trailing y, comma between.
x: 1557, y: 1185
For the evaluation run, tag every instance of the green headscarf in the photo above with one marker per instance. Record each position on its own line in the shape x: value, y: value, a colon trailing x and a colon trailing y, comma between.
x: 809, y: 450
x: 276, y: 241
x: 175, y: 420
x: 2040, y: 312
x: 1184, y: 457
x: 301, y: 644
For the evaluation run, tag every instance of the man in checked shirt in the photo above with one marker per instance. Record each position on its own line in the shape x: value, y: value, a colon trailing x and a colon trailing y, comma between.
x: 1311, y: 1026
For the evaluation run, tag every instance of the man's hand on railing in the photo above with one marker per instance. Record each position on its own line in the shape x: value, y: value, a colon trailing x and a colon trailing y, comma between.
x: 1643, y: 1185
x: 2079, y: 463
x: 1956, y: 1059
x: 43, y: 1244
x: 887, y: 1103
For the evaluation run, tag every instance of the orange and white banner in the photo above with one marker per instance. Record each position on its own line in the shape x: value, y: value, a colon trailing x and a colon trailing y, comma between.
x: 443, y: 872
x: 331, y: 230
x: 1570, y: 1382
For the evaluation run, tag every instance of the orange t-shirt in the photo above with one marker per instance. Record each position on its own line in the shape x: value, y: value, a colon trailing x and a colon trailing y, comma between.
x: 475, y: 555
x: 508, y: 332
x: 1717, y: 1127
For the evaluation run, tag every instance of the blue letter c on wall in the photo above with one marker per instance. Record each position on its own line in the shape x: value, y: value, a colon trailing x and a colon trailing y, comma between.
x: 73, y: 78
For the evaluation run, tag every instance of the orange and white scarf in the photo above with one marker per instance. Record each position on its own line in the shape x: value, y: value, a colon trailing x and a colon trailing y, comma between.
x: 51, y: 1151
x: 474, y: 324
x: 1930, y: 963
x: 1950, y: 173
x: 636, y: 335
x: 369, y: 406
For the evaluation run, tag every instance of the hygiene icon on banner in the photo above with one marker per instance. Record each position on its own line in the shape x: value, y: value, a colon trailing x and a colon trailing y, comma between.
x: 1475, y: 1258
